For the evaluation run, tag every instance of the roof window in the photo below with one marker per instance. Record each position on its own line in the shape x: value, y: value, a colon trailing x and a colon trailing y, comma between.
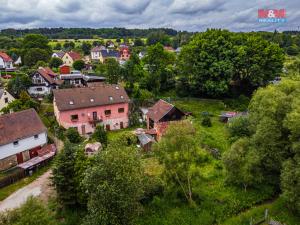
x: 71, y: 103
x: 92, y: 100
x: 111, y: 98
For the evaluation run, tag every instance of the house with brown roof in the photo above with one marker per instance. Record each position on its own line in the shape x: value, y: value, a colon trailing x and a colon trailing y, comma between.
x: 70, y: 57
x: 84, y: 108
x: 22, y: 135
x: 44, y: 80
x: 160, y: 115
x: 6, y: 61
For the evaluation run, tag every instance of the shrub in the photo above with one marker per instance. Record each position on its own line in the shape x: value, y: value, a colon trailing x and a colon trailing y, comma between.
x: 206, y: 121
x: 73, y: 135
x: 100, y: 135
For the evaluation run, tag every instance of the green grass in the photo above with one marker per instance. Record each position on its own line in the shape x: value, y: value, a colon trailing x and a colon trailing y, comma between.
x: 116, y: 134
x: 276, y: 210
x: 215, y: 201
x: 8, y: 190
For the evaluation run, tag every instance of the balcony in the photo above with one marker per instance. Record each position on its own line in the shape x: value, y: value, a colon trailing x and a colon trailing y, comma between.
x: 94, y: 120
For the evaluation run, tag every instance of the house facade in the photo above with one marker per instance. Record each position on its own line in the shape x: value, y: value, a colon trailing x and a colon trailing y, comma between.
x: 95, y: 52
x: 44, y: 80
x: 70, y: 57
x: 124, y: 53
x: 22, y: 135
x: 85, y: 108
x: 6, y: 61
x: 5, y: 98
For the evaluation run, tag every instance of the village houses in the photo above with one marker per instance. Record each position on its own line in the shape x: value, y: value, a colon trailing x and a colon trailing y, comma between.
x: 84, y: 108
x: 23, y: 137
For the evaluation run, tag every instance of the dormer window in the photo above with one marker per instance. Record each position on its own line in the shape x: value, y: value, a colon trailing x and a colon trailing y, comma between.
x: 71, y: 103
x: 122, y: 97
x: 92, y: 100
x: 111, y: 98
x: 117, y: 87
x: 16, y: 143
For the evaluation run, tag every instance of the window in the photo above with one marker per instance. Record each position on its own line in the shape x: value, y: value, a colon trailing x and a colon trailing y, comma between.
x: 74, y: 117
x: 122, y: 97
x: 120, y: 110
x: 39, y: 89
x: 6, y: 100
x: 107, y: 112
x: 111, y: 98
x: 4, y: 92
x: 71, y: 103
x: 95, y: 116
x: 36, y: 136
x: 16, y: 143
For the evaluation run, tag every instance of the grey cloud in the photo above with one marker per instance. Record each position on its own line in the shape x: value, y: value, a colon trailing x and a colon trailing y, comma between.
x: 69, y: 6
x: 193, y: 7
x: 130, y: 6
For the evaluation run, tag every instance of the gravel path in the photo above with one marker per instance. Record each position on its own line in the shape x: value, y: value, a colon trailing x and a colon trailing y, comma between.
x: 40, y: 187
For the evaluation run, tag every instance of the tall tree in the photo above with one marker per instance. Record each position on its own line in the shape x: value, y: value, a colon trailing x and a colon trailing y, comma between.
x: 112, y: 71
x: 114, y: 185
x: 179, y: 153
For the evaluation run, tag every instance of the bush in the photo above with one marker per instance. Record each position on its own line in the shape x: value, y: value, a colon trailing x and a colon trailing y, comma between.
x: 238, y: 127
x: 73, y: 135
x: 32, y: 212
x: 100, y: 135
x: 206, y: 121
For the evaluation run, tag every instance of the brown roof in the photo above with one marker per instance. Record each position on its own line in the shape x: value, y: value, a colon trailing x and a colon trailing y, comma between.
x: 5, y: 57
x: 159, y: 110
x: 20, y: 125
x: 75, y: 98
x: 48, y: 75
x: 74, y: 55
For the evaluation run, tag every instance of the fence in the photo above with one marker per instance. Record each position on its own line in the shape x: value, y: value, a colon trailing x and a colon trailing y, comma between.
x: 12, y: 178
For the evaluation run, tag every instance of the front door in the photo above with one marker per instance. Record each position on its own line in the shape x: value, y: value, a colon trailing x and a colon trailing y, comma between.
x: 83, y: 129
x: 107, y: 127
x: 20, y: 158
x: 94, y: 115
x: 121, y: 125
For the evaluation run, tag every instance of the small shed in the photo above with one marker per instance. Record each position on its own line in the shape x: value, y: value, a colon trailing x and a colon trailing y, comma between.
x: 65, y: 69
x: 225, y: 116
x: 92, y: 148
x: 146, y: 141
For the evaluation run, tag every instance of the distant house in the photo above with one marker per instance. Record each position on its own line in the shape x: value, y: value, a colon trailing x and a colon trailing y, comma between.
x: 6, y: 62
x: 105, y: 54
x: 22, y: 136
x: 70, y: 57
x: 160, y: 114
x: 84, y: 108
x: 95, y: 52
x: 77, y: 79
x: 142, y: 55
x: 44, y: 80
x: 124, y: 53
x: 110, y: 44
x: 59, y: 54
x: 92, y: 148
x: 227, y: 116
x: 5, y: 98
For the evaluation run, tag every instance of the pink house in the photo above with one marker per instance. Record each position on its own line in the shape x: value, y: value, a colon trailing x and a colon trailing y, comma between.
x: 84, y: 108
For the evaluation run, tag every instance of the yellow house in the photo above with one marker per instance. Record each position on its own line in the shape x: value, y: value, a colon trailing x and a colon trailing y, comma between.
x: 70, y: 57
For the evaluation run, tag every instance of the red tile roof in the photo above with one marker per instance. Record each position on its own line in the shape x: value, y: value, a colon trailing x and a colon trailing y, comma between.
x: 48, y: 75
x: 20, y: 125
x: 74, y: 55
x: 159, y: 110
x: 76, y: 98
x: 5, y: 57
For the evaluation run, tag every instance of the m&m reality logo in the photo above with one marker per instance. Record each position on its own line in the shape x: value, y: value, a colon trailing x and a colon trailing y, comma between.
x: 272, y: 15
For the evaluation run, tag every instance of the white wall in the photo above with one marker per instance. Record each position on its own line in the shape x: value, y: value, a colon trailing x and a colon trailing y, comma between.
x: 34, y: 90
x: 2, y: 99
x: 24, y: 144
x: 7, y: 65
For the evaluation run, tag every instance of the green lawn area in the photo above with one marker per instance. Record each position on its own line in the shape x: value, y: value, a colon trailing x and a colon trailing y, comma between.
x: 215, y: 200
x: 8, y: 190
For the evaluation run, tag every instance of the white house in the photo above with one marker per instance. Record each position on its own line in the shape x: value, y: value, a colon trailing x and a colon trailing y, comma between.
x: 43, y: 81
x: 95, y: 52
x: 5, y: 98
x: 5, y: 61
x: 22, y: 135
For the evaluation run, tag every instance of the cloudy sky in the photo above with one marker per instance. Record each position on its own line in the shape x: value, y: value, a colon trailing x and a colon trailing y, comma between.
x: 191, y: 15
